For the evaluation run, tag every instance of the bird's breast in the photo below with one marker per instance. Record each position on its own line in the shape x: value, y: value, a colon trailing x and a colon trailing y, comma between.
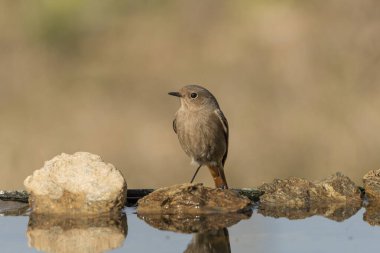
x: 201, y: 136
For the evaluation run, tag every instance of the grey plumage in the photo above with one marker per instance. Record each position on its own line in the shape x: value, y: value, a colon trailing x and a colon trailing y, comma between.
x: 202, y: 130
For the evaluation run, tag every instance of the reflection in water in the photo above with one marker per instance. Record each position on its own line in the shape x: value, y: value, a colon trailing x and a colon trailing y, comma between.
x: 72, y: 234
x: 210, y: 231
x: 372, y: 214
x: 336, y: 212
x: 215, y: 241
x: 13, y: 208
x: 187, y: 223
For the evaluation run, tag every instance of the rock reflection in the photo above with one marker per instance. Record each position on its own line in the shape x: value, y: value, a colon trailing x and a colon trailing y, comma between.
x: 336, y: 212
x: 76, y: 234
x: 187, y: 223
x: 13, y: 208
x: 372, y: 214
x: 210, y: 231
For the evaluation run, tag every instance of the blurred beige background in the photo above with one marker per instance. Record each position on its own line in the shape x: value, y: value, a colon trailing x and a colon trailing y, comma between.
x: 299, y: 82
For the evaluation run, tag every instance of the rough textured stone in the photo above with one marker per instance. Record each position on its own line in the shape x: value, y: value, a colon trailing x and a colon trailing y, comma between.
x: 251, y: 193
x: 63, y: 234
x: 80, y: 183
x: 190, y: 223
x: 371, y: 182
x: 336, y: 188
x: 297, y: 192
x: 286, y: 192
x: 192, y: 199
x: 20, y: 196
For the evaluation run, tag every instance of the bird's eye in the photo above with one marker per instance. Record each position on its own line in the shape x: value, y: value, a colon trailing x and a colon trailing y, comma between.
x: 193, y: 95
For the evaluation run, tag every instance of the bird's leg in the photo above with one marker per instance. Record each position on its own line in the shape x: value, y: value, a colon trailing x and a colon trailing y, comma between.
x: 224, y: 186
x: 217, y: 173
x: 195, y: 174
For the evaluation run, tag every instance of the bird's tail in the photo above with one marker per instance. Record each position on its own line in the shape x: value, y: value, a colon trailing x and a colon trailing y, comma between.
x: 217, y: 173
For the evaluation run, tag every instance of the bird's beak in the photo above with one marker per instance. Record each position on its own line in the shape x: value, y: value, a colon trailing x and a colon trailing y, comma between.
x: 177, y: 94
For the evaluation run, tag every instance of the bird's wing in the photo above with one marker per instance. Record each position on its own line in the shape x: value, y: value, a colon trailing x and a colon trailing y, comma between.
x: 224, y: 123
x: 174, y: 125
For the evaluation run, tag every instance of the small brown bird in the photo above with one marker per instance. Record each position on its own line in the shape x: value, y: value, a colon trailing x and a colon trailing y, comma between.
x: 202, y: 131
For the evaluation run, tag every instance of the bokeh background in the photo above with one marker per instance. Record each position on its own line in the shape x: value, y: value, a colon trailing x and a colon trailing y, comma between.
x: 299, y: 82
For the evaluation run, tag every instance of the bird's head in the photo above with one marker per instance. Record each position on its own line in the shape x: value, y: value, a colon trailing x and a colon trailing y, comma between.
x: 195, y: 97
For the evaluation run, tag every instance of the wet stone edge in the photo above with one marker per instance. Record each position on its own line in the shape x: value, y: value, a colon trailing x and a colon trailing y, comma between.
x: 133, y: 195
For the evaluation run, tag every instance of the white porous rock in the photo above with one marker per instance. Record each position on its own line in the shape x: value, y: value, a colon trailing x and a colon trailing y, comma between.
x: 79, y: 183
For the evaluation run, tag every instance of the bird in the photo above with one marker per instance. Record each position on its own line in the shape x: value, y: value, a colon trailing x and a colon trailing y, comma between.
x: 202, y: 131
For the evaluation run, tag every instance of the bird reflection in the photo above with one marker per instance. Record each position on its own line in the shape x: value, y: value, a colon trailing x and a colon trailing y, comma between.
x: 214, y: 241
x: 210, y: 232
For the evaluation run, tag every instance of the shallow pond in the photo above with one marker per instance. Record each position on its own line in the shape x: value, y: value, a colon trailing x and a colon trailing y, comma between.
x: 258, y: 233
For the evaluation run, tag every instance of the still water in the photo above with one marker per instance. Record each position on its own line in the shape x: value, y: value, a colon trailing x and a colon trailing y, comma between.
x: 258, y: 233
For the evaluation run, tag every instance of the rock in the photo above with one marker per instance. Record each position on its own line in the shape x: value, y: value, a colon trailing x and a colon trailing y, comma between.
x: 190, y: 223
x: 192, y: 199
x: 338, y: 188
x: 76, y: 184
x: 301, y: 193
x: 371, y: 182
x: 61, y: 234
x: 292, y: 192
x: 193, y: 208
x: 251, y: 193
x: 19, y: 196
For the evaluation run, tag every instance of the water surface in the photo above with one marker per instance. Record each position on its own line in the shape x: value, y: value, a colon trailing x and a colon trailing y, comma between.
x: 256, y: 234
